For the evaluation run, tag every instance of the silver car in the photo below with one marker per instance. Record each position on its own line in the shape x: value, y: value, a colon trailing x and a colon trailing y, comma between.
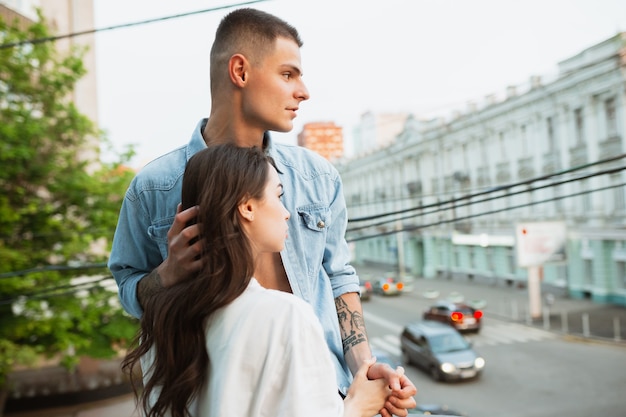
x: 440, y: 350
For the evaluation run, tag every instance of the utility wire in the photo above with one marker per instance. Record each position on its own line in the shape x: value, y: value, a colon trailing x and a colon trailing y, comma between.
x: 51, y: 268
x: 124, y: 25
x: 54, y: 291
x: 444, y: 207
x: 471, y: 216
x: 490, y: 190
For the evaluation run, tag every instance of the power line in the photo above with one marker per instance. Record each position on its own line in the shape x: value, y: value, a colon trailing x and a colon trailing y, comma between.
x: 54, y: 291
x: 124, y: 25
x: 491, y: 190
x: 51, y: 268
x: 447, y: 205
x: 471, y: 216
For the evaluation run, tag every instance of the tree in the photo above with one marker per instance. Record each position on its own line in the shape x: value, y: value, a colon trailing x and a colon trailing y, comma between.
x: 56, y: 208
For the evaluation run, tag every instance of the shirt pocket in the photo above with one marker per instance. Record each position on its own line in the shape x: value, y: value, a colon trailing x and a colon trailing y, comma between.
x: 316, y: 218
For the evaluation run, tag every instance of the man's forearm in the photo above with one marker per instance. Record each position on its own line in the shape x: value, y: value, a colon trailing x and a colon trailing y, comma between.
x: 147, y: 286
x: 353, y: 333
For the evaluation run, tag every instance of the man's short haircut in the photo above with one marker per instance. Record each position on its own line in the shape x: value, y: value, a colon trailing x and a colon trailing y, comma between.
x: 249, y: 32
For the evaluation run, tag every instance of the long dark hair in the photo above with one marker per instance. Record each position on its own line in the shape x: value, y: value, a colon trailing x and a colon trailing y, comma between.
x: 217, y: 179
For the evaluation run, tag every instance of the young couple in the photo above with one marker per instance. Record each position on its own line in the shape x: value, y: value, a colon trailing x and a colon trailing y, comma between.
x: 193, y: 281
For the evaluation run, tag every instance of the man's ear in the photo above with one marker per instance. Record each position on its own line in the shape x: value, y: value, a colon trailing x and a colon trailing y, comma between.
x: 238, y: 69
x: 246, y: 209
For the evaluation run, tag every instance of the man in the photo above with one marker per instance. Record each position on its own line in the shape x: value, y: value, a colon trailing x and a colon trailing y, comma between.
x: 256, y: 86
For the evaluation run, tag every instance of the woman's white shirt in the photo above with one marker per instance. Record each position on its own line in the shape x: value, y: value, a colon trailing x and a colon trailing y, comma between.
x: 268, y: 357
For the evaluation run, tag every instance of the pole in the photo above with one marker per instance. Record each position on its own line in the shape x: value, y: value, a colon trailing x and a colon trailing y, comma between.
x: 534, y: 292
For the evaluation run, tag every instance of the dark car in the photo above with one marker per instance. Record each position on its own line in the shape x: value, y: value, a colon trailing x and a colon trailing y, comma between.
x: 434, y: 409
x: 366, y: 289
x: 388, y: 286
x: 462, y: 317
x: 440, y: 350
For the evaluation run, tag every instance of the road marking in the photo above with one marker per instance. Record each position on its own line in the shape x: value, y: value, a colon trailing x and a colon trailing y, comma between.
x: 389, y: 346
x: 393, y: 327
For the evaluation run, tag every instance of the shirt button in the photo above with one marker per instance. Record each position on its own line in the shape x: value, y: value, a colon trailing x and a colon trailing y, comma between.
x: 321, y: 224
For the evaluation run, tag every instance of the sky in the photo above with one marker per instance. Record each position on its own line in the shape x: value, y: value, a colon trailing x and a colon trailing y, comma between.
x: 425, y: 57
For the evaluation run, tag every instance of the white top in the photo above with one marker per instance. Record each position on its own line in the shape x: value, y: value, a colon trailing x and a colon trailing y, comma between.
x: 268, y: 357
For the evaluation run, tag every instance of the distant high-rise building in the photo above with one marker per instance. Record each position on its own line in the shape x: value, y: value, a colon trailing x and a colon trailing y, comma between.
x: 377, y: 130
x: 325, y: 138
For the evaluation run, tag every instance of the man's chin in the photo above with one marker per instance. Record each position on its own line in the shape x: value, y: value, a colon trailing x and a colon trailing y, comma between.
x: 283, y: 129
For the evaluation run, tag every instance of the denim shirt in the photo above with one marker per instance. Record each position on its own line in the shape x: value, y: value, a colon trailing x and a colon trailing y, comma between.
x: 316, y: 256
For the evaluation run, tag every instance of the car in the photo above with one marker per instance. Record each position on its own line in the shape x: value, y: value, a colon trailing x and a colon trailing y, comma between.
x: 440, y: 350
x: 434, y: 409
x: 461, y: 316
x: 366, y: 289
x: 388, y: 286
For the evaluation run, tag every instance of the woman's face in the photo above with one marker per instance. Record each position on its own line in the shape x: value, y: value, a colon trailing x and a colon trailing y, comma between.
x: 265, y: 219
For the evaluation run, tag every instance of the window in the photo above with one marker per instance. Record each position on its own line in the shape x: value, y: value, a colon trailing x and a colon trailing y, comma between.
x: 619, y: 256
x: 510, y: 254
x: 619, y: 198
x: 611, y: 117
x: 620, y: 269
x: 524, y: 140
x: 558, y: 201
x: 585, y: 197
x: 483, y: 152
x: 550, y: 131
x: 588, y: 272
x: 502, y: 146
x: 580, y: 127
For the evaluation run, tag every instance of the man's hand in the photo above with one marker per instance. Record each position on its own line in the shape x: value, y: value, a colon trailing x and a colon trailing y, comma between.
x: 183, y: 257
x: 402, y: 389
x: 183, y: 247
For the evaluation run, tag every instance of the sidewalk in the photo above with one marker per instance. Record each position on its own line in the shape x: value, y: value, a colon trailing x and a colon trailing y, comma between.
x: 576, y: 318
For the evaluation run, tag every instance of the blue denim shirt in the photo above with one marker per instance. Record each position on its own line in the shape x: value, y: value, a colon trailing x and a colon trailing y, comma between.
x: 316, y: 256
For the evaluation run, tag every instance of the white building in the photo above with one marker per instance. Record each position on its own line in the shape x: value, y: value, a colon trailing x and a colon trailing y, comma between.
x: 445, y: 196
x: 376, y: 130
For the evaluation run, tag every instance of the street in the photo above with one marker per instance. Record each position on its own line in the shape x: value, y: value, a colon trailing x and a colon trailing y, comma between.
x: 529, y: 372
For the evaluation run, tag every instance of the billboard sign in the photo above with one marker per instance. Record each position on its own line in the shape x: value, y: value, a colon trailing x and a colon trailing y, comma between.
x: 539, y: 243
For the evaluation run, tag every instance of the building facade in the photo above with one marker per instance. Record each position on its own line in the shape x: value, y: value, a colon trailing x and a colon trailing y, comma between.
x: 325, y: 138
x: 445, y: 197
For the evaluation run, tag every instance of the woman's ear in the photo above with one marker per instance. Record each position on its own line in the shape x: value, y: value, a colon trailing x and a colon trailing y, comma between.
x: 246, y: 209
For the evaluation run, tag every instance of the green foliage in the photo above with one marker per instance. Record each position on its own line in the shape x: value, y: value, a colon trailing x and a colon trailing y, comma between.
x: 56, y: 205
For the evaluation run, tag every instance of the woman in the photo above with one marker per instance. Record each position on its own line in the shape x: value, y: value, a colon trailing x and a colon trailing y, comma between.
x: 219, y: 344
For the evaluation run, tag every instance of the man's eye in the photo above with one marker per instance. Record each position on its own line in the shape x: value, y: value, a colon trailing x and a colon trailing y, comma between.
x: 281, y: 195
x: 287, y: 75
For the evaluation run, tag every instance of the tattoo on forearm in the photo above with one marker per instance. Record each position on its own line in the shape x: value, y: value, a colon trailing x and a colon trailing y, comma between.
x: 148, y: 286
x: 351, y: 324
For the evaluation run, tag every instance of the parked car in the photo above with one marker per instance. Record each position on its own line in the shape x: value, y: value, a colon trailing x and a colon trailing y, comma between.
x: 461, y: 316
x: 388, y: 286
x: 440, y: 350
x: 434, y: 409
x: 366, y: 289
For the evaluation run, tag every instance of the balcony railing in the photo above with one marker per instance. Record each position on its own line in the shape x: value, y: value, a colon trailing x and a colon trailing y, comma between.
x: 578, y: 155
x: 503, y: 172
x: 525, y: 168
x: 551, y: 163
x: 612, y: 146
